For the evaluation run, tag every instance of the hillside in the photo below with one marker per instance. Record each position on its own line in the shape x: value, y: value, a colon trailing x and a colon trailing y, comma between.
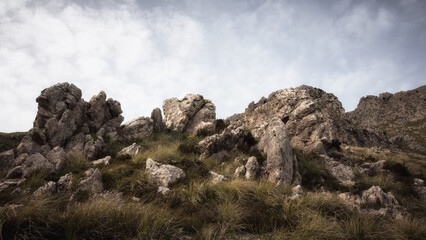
x: 292, y: 166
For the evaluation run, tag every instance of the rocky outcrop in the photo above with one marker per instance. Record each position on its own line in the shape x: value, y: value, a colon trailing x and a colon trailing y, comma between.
x: 192, y: 114
x: 92, y: 181
x: 131, y: 150
x: 6, y: 159
x: 85, y: 145
x: 315, y: 119
x: 251, y: 168
x: 163, y: 175
x: 402, y: 116
x: 234, y: 137
x: 281, y: 165
x: 343, y: 173
x: 384, y: 203
x: 157, y: 119
x: 137, y: 128
x: 48, y: 188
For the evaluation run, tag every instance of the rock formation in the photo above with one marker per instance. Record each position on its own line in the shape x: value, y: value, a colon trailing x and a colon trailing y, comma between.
x: 402, y: 116
x: 163, y: 175
x: 193, y: 114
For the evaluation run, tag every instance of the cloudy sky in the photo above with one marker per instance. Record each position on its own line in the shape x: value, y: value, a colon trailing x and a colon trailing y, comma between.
x: 232, y: 52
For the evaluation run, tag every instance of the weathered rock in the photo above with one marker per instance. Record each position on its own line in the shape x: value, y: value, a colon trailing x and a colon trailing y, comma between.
x: 252, y: 168
x: 131, y: 150
x: 420, y: 188
x: 85, y: 145
x: 234, y: 137
x: 64, y: 182
x: 192, y: 114
x: 163, y: 175
x: 92, y: 181
x: 217, y: 178
x: 296, y: 192
x: 28, y: 146
x: 402, y: 116
x: 315, y: 119
x: 110, y: 127
x: 240, y: 171
x: 137, y: 128
x: 6, y: 159
x: 163, y: 190
x: 281, y: 165
x: 36, y: 162
x: 157, y: 118
x: 376, y: 198
x: 373, y: 168
x: 48, y: 188
x: 344, y: 174
x: 57, y: 157
x: 102, y: 161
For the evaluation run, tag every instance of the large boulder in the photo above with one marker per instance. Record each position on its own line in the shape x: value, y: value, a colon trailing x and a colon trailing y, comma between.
x: 192, y: 114
x: 157, y: 118
x: 88, y: 145
x: 315, y: 119
x: 234, y: 137
x: 137, y: 128
x: 57, y: 157
x: 30, y: 164
x: 251, y: 168
x: 343, y: 173
x: 163, y: 175
x: 92, y: 181
x: 131, y: 150
x: 281, y: 165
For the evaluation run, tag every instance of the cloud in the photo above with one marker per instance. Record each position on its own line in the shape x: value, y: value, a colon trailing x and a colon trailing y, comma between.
x: 232, y: 52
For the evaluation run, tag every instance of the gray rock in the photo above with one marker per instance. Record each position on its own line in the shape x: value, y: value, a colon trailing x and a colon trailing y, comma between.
x: 36, y: 162
x: 163, y: 190
x: 64, y: 182
x: 232, y: 138
x: 240, y: 171
x: 252, y: 168
x: 296, y: 192
x: 217, y: 178
x: 192, y: 114
x: 420, y: 188
x: 137, y: 128
x: 10, y: 182
x: 110, y: 126
x: 163, y: 174
x: 157, y: 118
x: 344, y: 174
x: 57, y: 157
x: 7, y: 159
x: 375, y: 197
x: 48, y: 188
x: 281, y: 165
x: 27, y: 146
x: 85, y: 145
x: 131, y: 150
x: 102, y: 161
x: 92, y: 181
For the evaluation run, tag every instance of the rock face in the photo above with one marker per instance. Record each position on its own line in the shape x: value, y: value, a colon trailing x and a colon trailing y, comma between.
x: 193, y: 114
x: 281, y: 165
x: 251, y: 168
x: 402, y: 116
x: 6, y: 159
x: 163, y: 175
x: 157, y: 119
x: 232, y: 138
x: 315, y: 119
x: 65, y: 123
x: 137, y: 128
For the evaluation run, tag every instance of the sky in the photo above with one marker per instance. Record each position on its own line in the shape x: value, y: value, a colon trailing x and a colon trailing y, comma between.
x: 231, y: 52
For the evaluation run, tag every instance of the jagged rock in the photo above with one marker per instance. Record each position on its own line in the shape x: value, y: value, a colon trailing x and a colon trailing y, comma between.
x: 376, y: 198
x: 7, y: 159
x: 420, y: 188
x: 110, y: 127
x: 102, y: 161
x: 92, y: 181
x: 281, y: 165
x: 315, y: 119
x: 85, y: 145
x: 402, y: 116
x: 157, y: 119
x: 137, y: 128
x: 64, y: 182
x: 344, y: 174
x: 57, y: 157
x: 131, y: 150
x: 240, y: 171
x: 28, y: 146
x: 217, y: 178
x: 48, y: 188
x: 296, y: 192
x: 163, y: 175
x: 36, y: 162
x: 232, y: 138
x: 193, y: 114
x: 251, y: 168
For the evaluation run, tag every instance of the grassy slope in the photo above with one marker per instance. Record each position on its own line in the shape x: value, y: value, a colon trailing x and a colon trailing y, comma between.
x: 195, y: 208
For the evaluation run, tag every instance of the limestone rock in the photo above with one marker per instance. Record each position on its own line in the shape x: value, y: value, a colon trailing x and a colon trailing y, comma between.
x: 420, y: 188
x: 252, y: 168
x: 157, y: 119
x: 131, y: 150
x: 137, y: 128
x: 85, y: 145
x: 240, y: 171
x: 163, y: 175
x: 296, y: 192
x: 92, y: 181
x: 36, y: 162
x: 163, y: 190
x: 102, y: 161
x: 217, y: 178
x: 193, y: 114
x: 344, y: 174
x: 57, y: 157
x: 232, y: 138
x: 64, y: 182
x: 281, y: 165
x: 315, y: 120
x: 6, y: 159
x: 48, y: 188
x: 376, y: 198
